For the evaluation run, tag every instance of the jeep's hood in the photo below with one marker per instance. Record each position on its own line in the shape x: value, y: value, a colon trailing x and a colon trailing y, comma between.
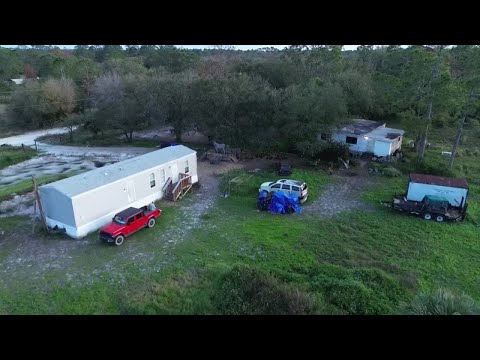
x: 113, y: 228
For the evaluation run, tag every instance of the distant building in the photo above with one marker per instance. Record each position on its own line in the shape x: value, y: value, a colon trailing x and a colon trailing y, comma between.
x: 367, y: 136
x: 20, y: 80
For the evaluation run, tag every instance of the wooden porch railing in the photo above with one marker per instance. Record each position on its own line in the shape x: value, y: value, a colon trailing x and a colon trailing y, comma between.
x: 182, y: 186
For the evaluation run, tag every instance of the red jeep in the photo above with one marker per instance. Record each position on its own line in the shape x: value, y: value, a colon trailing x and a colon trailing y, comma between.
x: 127, y: 222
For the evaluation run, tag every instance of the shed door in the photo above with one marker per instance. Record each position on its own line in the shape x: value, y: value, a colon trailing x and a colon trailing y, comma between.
x: 370, y: 146
x: 131, y: 191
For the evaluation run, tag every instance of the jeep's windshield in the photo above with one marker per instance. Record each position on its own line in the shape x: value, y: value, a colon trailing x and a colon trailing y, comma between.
x: 119, y: 220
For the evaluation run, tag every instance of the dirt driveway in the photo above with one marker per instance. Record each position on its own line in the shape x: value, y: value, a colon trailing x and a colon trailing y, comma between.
x: 343, y: 193
x: 23, y: 255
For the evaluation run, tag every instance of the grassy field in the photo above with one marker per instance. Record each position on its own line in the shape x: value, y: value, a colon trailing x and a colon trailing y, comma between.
x: 10, y: 155
x: 109, y: 138
x: 240, y: 261
x: 22, y: 187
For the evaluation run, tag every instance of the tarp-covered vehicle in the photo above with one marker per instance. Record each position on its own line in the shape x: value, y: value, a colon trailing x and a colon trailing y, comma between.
x: 278, y: 202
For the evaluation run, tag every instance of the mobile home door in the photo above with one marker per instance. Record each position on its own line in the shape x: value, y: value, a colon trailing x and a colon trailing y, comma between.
x: 174, y: 171
x: 132, y: 196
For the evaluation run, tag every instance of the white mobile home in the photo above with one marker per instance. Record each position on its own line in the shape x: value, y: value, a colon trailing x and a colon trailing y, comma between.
x: 367, y: 136
x: 451, y: 189
x: 86, y: 202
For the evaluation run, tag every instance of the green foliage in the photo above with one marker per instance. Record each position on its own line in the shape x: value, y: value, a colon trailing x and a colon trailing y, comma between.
x: 320, y: 150
x: 42, y: 104
x: 248, y: 291
x: 10, y: 65
x: 391, y: 171
x: 10, y: 155
x: 442, y: 302
x: 22, y: 187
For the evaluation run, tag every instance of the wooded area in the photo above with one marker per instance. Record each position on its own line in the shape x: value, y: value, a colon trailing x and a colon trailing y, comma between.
x: 265, y: 100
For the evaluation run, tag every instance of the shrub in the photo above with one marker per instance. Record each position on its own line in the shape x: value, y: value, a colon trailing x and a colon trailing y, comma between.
x: 391, y: 172
x: 248, y: 291
x: 442, y: 302
x: 324, y: 150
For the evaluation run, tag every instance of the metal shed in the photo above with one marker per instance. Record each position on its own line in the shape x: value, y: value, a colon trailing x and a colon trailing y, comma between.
x: 451, y: 189
x: 86, y: 202
x: 368, y: 136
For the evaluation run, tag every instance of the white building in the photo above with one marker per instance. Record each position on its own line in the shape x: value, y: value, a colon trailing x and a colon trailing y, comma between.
x: 367, y: 136
x: 86, y: 202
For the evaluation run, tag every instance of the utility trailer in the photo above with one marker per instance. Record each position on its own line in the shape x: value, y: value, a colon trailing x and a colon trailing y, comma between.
x: 434, y: 198
x: 430, y: 208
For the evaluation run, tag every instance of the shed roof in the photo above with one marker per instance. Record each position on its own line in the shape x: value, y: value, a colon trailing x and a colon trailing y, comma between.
x: 361, y: 126
x: 93, y: 179
x: 385, y: 134
x: 439, y: 180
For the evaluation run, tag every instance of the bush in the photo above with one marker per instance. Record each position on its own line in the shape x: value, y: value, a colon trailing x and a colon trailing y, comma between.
x: 391, y: 172
x: 323, y: 150
x: 442, y: 302
x: 248, y: 291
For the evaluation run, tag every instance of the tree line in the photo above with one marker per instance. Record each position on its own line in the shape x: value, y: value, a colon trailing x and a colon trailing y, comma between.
x: 267, y: 100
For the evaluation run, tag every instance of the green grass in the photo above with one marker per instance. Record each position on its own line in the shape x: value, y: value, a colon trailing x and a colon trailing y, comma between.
x: 109, y: 138
x: 241, y: 261
x: 25, y: 186
x: 85, y: 138
x: 11, y: 155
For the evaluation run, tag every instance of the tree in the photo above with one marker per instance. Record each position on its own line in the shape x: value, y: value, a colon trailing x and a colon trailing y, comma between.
x: 236, y: 110
x: 10, y: 64
x: 29, y: 72
x: 41, y: 105
x: 172, y: 95
x: 173, y: 59
x: 308, y: 109
x: 124, y: 66
x: 431, y: 93
x: 59, y: 99
x: 120, y: 104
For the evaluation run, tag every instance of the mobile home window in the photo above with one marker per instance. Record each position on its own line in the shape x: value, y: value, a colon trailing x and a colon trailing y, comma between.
x: 351, y: 140
x: 152, y: 180
x: 186, y: 167
x: 163, y: 176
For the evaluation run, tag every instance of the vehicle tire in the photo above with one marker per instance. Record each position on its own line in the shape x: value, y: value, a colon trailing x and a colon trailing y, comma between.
x: 439, y: 218
x: 119, y: 240
x: 151, y: 222
x: 427, y: 216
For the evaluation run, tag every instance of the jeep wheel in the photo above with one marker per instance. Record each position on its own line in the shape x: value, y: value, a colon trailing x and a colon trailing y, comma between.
x: 427, y: 216
x: 119, y: 240
x: 439, y: 218
x: 151, y: 222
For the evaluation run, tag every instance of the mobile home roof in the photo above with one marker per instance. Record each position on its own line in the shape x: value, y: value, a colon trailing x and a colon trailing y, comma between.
x: 93, y: 179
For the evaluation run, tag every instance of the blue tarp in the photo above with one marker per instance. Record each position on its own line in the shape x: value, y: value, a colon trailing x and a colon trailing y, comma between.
x: 279, y: 203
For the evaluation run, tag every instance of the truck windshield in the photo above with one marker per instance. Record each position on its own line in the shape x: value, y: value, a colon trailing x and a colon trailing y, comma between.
x: 119, y: 220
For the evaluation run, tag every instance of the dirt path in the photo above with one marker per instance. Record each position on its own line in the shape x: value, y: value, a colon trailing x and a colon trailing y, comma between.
x: 27, y: 256
x: 32, y: 257
x: 343, y: 193
x: 29, y: 137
